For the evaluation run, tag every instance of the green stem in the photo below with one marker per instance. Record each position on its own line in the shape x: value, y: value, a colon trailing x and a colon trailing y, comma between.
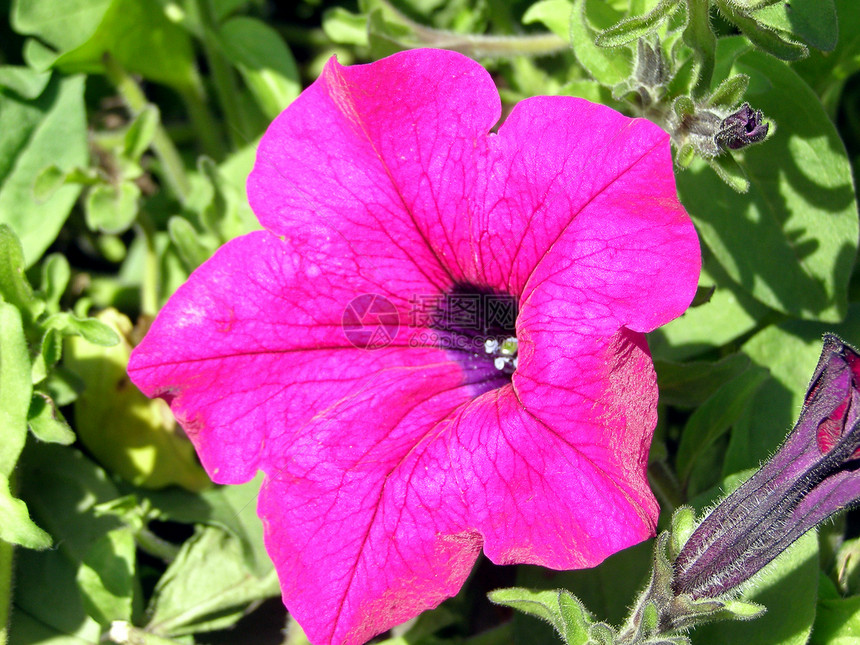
x: 174, y: 169
x: 222, y: 73
x: 150, y: 543
x: 700, y: 37
x: 149, y: 283
x: 206, y: 126
x: 478, y: 45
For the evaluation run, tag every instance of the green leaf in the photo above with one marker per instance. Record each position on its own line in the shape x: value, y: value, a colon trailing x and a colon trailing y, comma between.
x: 15, y: 387
x: 56, y: 274
x: 813, y: 21
x: 190, y: 245
x: 24, y: 81
x: 14, y: 287
x: 141, y: 132
x: 90, y: 329
x: 106, y: 577
x: 837, y: 621
x: 730, y: 172
x: 553, y: 14
x: 826, y: 73
x: 730, y: 313
x: 16, y: 526
x: 264, y: 60
x: 691, y: 384
x: 790, y: 351
x: 49, y: 130
x: 344, y: 27
x: 606, y: 590
x: 761, y: 36
x: 231, y: 508
x: 48, y: 607
x: 62, y: 26
x: 636, y: 27
x: 608, y: 66
x: 207, y: 587
x: 730, y: 92
x: 135, y: 33
x: 46, y: 421
x: 714, y: 418
x: 112, y: 209
x: 558, y: 607
x: 790, y: 241
x: 683, y: 525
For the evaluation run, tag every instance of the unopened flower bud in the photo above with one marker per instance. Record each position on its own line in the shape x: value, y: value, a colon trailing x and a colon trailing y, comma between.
x: 742, y: 128
x: 814, y: 474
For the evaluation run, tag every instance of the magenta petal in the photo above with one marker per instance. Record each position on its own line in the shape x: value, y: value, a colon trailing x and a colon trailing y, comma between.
x: 387, y: 155
x: 388, y: 470
x: 364, y: 532
x: 252, y: 346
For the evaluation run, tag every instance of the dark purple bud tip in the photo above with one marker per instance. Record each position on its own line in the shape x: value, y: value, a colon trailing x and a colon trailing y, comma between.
x: 813, y: 475
x: 742, y: 128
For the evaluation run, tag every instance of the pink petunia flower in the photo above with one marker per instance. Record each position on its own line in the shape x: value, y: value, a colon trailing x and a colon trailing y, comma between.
x: 436, y: 346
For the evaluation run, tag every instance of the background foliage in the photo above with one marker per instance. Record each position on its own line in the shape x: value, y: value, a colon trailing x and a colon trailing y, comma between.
x: 128, y: 129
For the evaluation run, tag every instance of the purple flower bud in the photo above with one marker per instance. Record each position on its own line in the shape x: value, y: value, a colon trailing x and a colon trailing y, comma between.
x: 814, y: 474
x: 742, y: 128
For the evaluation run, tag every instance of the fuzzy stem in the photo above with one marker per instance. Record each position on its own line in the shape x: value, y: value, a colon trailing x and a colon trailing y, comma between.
x: 700, y: 36
x: 225, y: 81
x: 135, y: 100
x: 150, y: 543
x: 149, y: 282
x: 478, y: 45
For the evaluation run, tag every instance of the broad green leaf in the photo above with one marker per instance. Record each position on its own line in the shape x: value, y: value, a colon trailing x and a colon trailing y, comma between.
x: 207, y: 587
x: 813, y: 21
x: 264, y: 60
x: 48, y: 607
x: 62, y: 25
x: 106, y: 577
x: 714, y: 417
x: 16, y: 526
x: 553, y: 14
x: 50, y: 130
x: 730, y: 313
x: 132, y: 435
x: 24, y: 81
x: 112, y: 209
x: 15, y: 387
x: 790, y: 351
x: 792, y: 239
x: 231, y: 508
x: 826, y: 73
x: 90, y: 329
x: 837, y: 620
x: 691, y: 384
x: 135, y: 33
x: 608, y: 66
x: 62, y: 489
